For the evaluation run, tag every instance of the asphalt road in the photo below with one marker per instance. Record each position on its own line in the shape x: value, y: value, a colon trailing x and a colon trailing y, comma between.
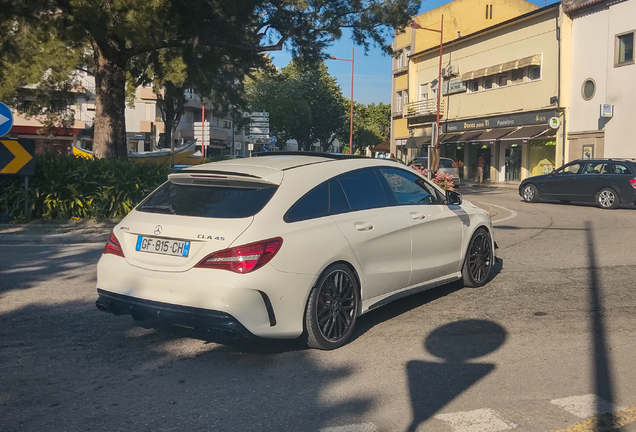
x: 546, y: 344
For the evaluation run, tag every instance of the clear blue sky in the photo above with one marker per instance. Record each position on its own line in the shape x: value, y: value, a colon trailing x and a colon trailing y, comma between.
x: 372, y: 73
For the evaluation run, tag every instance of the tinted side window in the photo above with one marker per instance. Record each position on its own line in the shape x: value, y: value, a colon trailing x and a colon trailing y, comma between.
x: 621, y: 169
x: 570, y: 169
x: 337, y: 200
x: 313, y: 204
x: 364, y: 190
x: 595, y: 168
x: 409, y: 188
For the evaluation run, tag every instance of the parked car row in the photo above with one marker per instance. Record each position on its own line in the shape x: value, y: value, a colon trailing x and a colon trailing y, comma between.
x: 606, y: 182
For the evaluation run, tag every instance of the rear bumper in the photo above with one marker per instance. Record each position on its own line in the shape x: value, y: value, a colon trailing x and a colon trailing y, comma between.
x: 203, y: 320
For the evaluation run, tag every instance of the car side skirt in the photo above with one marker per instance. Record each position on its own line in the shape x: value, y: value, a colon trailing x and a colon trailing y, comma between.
x: 375, y: 302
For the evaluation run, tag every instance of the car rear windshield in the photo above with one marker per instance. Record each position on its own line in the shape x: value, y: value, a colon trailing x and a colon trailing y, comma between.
x: 446, y: 163
x: 209, y: 201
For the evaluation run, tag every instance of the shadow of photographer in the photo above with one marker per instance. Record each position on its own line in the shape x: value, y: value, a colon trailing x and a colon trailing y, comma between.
x: 434, y: 384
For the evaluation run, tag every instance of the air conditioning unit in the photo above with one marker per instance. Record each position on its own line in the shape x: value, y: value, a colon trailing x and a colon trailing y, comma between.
x: 450, y: 71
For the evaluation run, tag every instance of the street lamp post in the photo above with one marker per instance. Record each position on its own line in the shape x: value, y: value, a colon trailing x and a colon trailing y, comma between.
x: 439, y: 84
x: 351, y: 122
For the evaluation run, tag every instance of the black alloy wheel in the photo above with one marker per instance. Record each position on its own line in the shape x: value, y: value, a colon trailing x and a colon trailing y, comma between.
x: 479, y: 259
x: 607, y: 199
x: 332, y: 308
x: 530, y: 193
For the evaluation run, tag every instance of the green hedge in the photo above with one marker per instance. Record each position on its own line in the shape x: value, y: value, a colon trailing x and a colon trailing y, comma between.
x: 68, y: 187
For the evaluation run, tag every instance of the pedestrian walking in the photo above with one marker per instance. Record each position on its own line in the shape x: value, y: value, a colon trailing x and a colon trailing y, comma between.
x: 480, y: 169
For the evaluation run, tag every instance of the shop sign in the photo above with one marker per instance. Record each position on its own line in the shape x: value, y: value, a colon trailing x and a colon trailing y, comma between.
x: 456, y: 86
x: 521, y: 119
x: 554, y: 123
x: 607, y: 110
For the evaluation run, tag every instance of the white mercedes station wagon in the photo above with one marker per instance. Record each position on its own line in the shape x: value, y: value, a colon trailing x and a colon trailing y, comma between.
x: 281, y: 244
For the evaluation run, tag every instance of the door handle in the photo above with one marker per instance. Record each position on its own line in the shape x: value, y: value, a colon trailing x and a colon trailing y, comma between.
x: 363, y: 226
x: 418, y: 215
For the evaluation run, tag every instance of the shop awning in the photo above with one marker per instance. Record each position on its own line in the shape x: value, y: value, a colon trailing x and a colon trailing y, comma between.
x: 384, y: 147
x: 495, y: 134
x: 448, y: 137
x: 509, y: 66
x: 494, y: 70
x: 468, y: 136
x: 479, y: 73
x: 534, y: 60
x: 524, y: 133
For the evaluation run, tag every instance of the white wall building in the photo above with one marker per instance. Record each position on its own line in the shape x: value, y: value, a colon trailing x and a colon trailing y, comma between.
x: 603, y: 72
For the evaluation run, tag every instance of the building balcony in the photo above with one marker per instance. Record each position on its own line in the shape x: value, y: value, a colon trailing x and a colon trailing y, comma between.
x: 423, y: 108
x: 399, y: 70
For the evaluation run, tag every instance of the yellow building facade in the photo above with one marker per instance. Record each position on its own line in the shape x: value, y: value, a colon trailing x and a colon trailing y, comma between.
x: 502, y: 83
x: 461, y: 17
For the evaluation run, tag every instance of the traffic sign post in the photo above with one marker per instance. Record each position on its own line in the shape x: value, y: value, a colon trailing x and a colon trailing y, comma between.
x: 16, y: 158
x: 6, y: 119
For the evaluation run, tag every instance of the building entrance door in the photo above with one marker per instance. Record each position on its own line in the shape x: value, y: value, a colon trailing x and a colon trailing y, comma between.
x: 512, y: 162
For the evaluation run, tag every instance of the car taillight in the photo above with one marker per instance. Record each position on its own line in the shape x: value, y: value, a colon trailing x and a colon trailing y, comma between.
x: 113, y: 246
x: 633, y: 182
x: 243, y: 259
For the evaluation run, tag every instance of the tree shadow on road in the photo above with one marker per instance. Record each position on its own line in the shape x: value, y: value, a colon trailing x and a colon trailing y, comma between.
x: 71, y: 367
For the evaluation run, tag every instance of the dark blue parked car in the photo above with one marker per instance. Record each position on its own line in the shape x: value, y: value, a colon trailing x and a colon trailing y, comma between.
x: 607, y: 182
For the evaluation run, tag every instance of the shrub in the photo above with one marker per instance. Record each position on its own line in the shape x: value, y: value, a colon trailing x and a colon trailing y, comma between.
x: 445, y: 181
x: 69, y: 187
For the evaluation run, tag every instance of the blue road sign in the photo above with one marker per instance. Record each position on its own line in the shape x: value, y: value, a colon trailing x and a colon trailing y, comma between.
x: 272, y: 140
x: 265, y: 149
x: 6, y: 119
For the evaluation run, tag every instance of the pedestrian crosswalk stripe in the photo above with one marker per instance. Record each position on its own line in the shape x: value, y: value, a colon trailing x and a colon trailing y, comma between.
x: 480, y: 420
x: 586, y: 405
x: 361, y: 427
x: 605, y: 422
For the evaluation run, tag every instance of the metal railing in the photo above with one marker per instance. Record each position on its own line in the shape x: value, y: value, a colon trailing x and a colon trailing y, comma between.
x: 423, y: 107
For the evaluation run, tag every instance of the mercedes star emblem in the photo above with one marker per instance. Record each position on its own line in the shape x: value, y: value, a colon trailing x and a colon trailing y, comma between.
x: 158, y: 230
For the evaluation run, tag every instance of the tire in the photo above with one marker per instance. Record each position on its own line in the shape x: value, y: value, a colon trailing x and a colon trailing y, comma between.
x: 530, y: 193
x: 607, y: 199
x: 332, y: 308
x: 479, y: 259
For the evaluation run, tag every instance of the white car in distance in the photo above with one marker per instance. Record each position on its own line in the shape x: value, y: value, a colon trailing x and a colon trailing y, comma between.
x: 284, y: 244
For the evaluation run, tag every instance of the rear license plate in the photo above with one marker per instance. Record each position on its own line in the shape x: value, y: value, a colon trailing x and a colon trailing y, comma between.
x: 163, y: 246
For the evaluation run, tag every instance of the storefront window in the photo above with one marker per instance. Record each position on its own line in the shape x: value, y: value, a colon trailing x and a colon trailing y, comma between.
x: 542, y: 157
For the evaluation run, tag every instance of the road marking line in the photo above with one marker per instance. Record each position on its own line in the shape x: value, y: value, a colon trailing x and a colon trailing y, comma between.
x: 360, y: 427
x: 481, y: 420
x: 513, y: 214
x: 605, y: 422
x: 586, y: 406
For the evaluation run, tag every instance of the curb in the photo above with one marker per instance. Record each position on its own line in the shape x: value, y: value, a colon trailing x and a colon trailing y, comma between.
x: 66, y: 238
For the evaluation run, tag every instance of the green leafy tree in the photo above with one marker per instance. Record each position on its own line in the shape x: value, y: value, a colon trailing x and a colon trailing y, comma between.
x: 304, y: 103
x: 210, y: 34
x: 371, y: 124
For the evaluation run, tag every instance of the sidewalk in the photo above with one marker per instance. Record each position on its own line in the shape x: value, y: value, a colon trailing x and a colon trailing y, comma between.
x: 56, y: 232
x: 471, y: 183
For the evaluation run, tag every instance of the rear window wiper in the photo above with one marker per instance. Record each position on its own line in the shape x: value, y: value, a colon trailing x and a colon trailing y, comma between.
x: 159, y: 208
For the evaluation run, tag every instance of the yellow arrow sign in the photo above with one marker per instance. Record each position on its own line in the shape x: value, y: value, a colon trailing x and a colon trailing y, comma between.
x: 22, y: 157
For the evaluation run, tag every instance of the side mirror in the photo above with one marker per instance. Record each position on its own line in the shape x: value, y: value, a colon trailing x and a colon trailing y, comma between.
x: 453, y: 197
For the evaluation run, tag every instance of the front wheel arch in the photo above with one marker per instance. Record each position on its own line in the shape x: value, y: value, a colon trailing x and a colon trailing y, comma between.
x: 479, y: 258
